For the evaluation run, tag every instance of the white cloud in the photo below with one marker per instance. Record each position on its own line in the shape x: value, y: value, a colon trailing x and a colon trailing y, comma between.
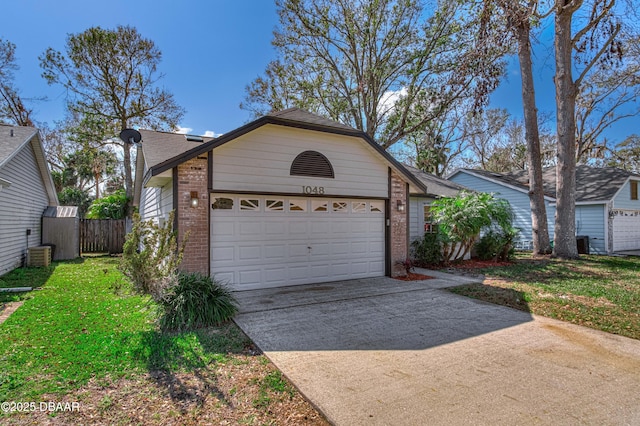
x: 211, y: 134
x: 183, y: 130
x: 389, y: 99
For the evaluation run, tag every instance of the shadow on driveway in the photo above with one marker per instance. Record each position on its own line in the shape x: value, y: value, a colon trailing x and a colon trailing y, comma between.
x: 368, y: 314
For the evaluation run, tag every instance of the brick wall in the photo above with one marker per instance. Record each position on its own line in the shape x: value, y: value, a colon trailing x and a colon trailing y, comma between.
x: 399, y: 225
x: 192, y: 176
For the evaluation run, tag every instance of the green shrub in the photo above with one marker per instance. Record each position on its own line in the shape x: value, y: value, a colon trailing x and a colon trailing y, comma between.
x: 195, y: 301
x: 427, y: 250
x: 151, y: 256
x: 497, y: 245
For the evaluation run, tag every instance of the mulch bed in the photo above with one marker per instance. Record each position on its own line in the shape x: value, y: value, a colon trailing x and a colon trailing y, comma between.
x: 414, y: 277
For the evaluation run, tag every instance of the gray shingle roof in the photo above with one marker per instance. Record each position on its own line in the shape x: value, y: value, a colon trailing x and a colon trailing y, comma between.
x: 162, y: 146
x: 592, y: 183
x: 10, y: 144
x: 301, y: 116
x: 435, y: 185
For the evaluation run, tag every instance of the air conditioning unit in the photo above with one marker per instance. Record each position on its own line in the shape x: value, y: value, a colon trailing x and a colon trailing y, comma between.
x: 39, y: 256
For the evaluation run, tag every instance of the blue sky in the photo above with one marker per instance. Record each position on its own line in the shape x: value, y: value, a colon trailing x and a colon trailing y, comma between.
x: 211, y: 50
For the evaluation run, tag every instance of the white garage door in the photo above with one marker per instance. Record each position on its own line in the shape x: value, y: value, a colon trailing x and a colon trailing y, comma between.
x: 626, y: 230
x: 269, y: 241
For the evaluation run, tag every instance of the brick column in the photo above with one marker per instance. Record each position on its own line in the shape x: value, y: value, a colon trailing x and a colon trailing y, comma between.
x: 192, y: 177
x: 399, y: 222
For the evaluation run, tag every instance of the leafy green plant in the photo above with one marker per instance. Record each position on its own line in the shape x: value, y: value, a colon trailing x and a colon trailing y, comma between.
x: 462, y: 218
x: 194, y: 301
x: 497, y: 245
x: 151, y: 256
x: 427, y: 250
x: 112, y: 206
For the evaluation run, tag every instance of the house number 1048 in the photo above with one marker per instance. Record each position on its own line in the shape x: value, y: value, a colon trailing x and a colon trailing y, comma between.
x: 313, y: 190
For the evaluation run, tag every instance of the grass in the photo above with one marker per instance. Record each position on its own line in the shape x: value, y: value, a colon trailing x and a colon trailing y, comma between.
x: 600, y: 292
x: 77, y: 329
x: 84, y: 338
x: 23, y: 277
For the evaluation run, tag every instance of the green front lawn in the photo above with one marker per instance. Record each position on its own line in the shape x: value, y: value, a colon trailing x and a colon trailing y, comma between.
x: 600, y: 292
x: 84, y: 338
x: 77, y: 328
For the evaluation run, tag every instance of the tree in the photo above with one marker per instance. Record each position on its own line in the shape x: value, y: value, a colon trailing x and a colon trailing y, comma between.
x: 607, y: 96
x: 626, y: 155
x: 594, y: 42
x: 518, y: 17
x: 112, y: 206
x: 461, y: 219
x: 12, y: 108
x: 482, y: 131
x: 112, y: 78
x: 377, y: 65
x: 70, y: 196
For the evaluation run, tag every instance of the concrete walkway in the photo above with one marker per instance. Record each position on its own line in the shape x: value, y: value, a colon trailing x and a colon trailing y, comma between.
x: 387, y: 352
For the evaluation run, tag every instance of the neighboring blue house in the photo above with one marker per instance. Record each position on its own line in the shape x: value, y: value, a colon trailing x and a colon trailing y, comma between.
x: 607, y: 203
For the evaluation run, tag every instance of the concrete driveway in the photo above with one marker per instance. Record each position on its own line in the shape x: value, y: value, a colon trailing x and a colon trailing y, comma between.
x: 386, y: 352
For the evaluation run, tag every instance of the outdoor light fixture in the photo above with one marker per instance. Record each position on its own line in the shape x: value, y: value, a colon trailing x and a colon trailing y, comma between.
x: 400, y: 206
x: 194, y: 199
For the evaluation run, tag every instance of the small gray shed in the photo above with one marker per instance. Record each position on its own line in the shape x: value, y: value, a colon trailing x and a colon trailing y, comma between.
x: 61, y: 229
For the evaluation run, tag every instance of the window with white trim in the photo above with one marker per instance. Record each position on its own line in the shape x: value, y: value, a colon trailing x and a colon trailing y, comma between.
x: 296, y: 205
x: 273, y: 205
x: 429, y: 226
x: 222, y: 203
x: 358, y: 207
x: 340, y: 207
x: 249, y: 204
x: 377, y: 206
x: 319, y: 205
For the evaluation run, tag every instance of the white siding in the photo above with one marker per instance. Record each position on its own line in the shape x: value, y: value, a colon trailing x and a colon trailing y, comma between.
x: 519, y: 203
x: 156, y: 203
x: 260, y: 161
x: 590, y: 221
x: 623, y: 199
x: 21, y: 208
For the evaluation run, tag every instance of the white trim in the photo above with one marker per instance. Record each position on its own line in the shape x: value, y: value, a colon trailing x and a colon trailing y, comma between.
x: 497, y: 182
x: 622, y: 186
x: 607, y: 220
x: 4, y: 184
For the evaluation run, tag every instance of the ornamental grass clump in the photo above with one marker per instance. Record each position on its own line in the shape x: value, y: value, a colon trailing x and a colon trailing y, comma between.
x: 151, y: 257
x: 196, y: 301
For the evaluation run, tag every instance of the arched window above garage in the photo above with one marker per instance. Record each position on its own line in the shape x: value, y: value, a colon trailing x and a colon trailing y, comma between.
x: 312, y: 163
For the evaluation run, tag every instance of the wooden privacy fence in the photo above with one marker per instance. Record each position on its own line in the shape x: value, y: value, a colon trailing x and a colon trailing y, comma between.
x: 102, y: 235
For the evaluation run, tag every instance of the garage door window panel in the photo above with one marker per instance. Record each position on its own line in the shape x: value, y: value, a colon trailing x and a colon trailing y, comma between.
x: 249, y: 204
x: 274, y: 205
x: 340, y: 207
x: 222, y: 203
x: 298, y: 206
x: 320, y: 206
x: 377, y: 206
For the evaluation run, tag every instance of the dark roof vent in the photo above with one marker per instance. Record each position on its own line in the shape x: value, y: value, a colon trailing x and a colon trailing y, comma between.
x: 312, y: 163
x: 194, y: 138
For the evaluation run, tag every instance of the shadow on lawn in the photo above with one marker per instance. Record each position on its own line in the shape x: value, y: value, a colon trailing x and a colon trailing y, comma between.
x: 184, y: 364
x: 34, y: 277
x: 494, y: 294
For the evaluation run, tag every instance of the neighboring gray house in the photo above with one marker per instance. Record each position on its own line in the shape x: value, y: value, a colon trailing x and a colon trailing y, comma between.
x: 26, y: 189
x: 607, y: 204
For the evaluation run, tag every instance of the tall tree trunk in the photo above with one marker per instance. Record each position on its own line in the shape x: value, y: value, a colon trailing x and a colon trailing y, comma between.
x: 565, y: 228
x: 539, y: 225
x: 128, y: 179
